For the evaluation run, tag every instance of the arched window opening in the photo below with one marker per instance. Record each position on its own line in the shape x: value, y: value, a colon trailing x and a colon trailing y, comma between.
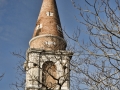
x: 49, y: 75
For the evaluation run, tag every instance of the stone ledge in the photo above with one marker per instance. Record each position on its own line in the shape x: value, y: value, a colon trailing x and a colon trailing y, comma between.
x: 50, y: 52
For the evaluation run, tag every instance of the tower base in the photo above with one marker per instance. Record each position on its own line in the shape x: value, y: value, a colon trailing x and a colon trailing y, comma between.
x: 47, y: 70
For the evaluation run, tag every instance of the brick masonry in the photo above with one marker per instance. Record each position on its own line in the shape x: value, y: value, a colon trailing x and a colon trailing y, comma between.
x: 48, y: 23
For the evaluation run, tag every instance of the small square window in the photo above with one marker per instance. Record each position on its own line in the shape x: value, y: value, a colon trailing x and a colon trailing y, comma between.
x: 49, y: 13
x: 59, y: 28
x: 39, y: 26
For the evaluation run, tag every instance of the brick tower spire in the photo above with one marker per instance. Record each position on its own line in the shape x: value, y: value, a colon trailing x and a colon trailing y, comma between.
x: 47, y: 62
x: 48, y: 32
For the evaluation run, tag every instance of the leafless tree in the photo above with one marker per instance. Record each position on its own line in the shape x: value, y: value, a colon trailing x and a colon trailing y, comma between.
x: 96, y: 61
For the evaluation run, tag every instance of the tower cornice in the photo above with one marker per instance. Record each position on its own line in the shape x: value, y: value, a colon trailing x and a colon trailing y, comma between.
x: 47, y: 35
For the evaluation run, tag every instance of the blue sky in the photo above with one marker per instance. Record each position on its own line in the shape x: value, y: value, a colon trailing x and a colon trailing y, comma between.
x: 17, y: 22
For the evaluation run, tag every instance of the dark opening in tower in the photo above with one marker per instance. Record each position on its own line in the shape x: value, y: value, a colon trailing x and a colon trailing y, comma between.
x: 49, y: 75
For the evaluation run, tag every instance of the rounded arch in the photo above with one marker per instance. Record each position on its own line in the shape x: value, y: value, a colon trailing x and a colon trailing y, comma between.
x: 49, y: 74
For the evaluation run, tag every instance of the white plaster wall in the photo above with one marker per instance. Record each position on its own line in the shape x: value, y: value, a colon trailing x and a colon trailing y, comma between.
x: 36, y: 72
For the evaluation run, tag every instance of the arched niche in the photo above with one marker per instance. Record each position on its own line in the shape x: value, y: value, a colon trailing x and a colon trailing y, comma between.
x: 49, y: 73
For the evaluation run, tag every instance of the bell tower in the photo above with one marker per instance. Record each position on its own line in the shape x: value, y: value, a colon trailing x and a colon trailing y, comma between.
x: 47, y: 61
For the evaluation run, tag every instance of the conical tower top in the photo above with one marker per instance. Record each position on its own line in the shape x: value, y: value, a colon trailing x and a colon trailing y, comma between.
x: 48, y: 20
x: 48, y: 33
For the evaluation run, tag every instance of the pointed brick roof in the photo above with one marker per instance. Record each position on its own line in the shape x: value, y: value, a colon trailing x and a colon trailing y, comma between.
x: 48, y: 33
x: 48, y: 20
